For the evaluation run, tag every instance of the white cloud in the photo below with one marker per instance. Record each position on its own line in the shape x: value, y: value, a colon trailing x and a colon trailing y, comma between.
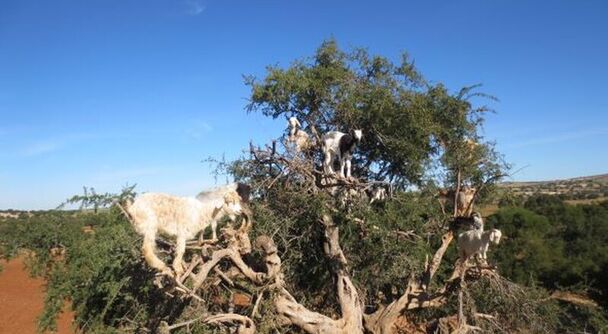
x: 559, y: 138
x: 197, y: 129
x: 53, y: 144
x: 195, y: 7
x: 41, y: 147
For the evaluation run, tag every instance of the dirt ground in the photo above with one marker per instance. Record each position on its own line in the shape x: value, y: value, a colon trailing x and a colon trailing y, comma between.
x: 21, y: 301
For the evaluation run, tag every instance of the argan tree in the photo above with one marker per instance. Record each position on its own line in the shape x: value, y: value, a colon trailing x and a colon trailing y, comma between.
x: 417, y: 137
x: 325, y: 260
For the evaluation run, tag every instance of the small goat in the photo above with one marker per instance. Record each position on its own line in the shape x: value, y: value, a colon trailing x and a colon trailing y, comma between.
x: 464, y: 224
x: 183, y: 218
x: 477, y: 221
x: 476, y: 242
x: 377, y: 194
x: 298, y: 136
x: 464, y: 200
x: 294, y: 126
x: 340, y: 146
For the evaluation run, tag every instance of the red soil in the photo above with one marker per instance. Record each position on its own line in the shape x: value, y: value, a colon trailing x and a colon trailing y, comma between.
x: 22, y: 299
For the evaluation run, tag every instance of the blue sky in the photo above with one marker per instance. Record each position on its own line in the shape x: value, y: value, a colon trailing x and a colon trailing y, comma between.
x: 104, y: 92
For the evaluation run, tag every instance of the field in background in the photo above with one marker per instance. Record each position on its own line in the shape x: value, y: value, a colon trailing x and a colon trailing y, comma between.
x: 579, y: 190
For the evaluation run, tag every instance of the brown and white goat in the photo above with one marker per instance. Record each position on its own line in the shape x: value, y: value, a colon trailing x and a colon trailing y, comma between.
x: 464, y: 200
x: 297, y: 136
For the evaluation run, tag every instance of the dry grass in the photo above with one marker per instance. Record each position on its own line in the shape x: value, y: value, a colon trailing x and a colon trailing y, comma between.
x: 585, y: 201
x: 488, y: 209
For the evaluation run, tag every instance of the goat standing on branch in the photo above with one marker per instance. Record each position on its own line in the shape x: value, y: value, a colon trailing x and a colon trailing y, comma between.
x: 377, y: 193
x: 476, y: 242
x: 183, y: 218
x: 297, y: 135
x: 464, y: 200
x: 294, y: 126
x: 339, y: 146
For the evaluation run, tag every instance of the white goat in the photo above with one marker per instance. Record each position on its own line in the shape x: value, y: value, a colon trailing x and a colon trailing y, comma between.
x: 476, y: 242
x: 297, y: 136
x: 293, y: 124
x: 183, y: 218
x: 339, y: 146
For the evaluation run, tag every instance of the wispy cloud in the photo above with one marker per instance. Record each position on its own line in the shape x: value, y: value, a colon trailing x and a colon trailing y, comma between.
x: 53, y: 144
x: 116, y: 176
x: 41, y: 147
x: 559, y: 138
x: 195, y: 7
x: 197, y: 129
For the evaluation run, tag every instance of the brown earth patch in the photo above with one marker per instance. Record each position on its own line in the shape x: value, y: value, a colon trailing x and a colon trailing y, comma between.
x: 22, y: 299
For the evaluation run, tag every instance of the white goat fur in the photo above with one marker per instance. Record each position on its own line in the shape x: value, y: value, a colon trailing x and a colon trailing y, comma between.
x: 293, y: 124
x: 332, y: 151
x: 476, y: 242
x: 181, y: 217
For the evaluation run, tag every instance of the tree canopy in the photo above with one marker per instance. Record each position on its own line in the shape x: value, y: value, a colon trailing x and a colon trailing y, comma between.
x: 414, y: 130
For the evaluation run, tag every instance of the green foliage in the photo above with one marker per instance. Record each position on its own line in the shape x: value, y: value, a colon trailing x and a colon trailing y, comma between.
x: 531, y: 250
x: 409, y: 125
x: 91, y: 199
x: 102, y: 273
x: 556, y: 245
x: 517, y: 307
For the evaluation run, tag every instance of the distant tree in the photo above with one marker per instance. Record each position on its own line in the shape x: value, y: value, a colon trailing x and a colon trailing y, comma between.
x: 90, y: 199
x: 532, y: 251
x: 556, y: 245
